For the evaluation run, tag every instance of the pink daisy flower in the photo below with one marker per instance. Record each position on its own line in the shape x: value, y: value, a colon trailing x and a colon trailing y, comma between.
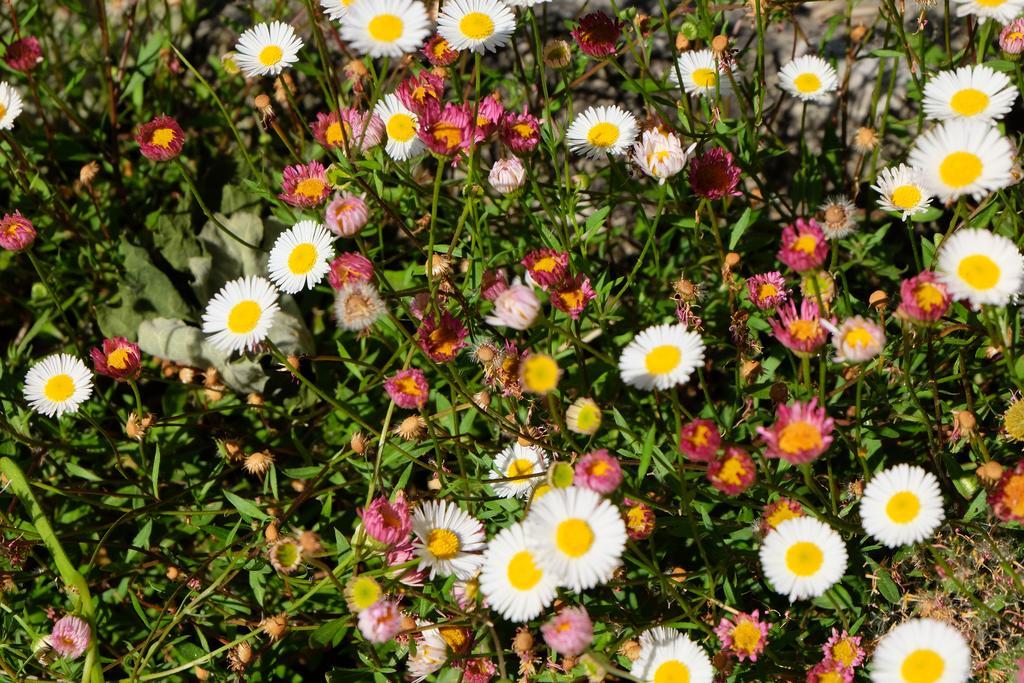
x: 16, y: 232
x: 713, y: 175
x: 360, y: 130
x: 385, y: 522
x: 405, y: 554
x: 640, y: 519
x: 118, y: 359
x: 421, y: 92
x: 447, y: 131
x: 597, y: 34
x: 478, y: 670
x: 349, y: 267
x: 778, y: 512
x: 489, y: 114
x: 732, y: 473
x: 23, y: 55
x: 408, y: 388
x: 521, y: 132
x: 569, y: 632
x: 804, y: 246
x: 442, y: 338
x: 844, y: 650
x: 381, y: 621
x: 346, y: 215
x: 745, y: 636
x: 923, y: 299
x: 767, y: 290
x: 801, y: 433
x: 572, y: 294
x: 1007, y: 498
x: 70, y: 637
x: 546, y: 266
x: 699, y: 440
x: 305, y: 185
x: 598, y: 471
x: 802, y: 333
x: 439, y: 52
x: 827, y: 671
x: 161, y: 139
x: 492, y: 284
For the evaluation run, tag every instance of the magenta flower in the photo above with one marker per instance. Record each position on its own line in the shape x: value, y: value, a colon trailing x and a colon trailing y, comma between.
x: 305, y: 185
x: 161, y: 139
x: 387, y: 523
x: 478, y: 670
x: 699, y: 440
x: 448, y: 131
x: 16, y: 232
x: 489, y: 115
x: 778, y: 512
x: 732, y: 473
x: 546, y: 266
x: 439, y: 52
x: 802, y: 333
x: 118, y: 359
x: 827, y: 671
x: 713, y: 175
x: 767, y: 290
x: 23, y: 55
x: 349, y: 267
x: 421, y: 92
x: 801, y: 433
x: 640, y: 519
x: 1011, y: 38
x: 521, y: 132
x: 403, y: 554
x: 923, y: 298
x: 745, y: 636
x: 359, y: 131
x: 346, y: 215
x: 442, y: 338
x: 598, y: 471
x: 572, y: 294
x: 492, y: 284
x: 381, y: 621
x: 844, y: 650
x: 597, y: 34
x: 517, y: 307
x: 804, y: 246
x: 70, y: 637
x: 408, y: 388
x: 569, y: 632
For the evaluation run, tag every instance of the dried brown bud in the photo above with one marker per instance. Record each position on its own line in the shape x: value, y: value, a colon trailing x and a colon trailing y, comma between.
x: 201, y: 673
x: 136, y: 428
x: 878, y: 300
x: 858, y: 32
x: 779, y: 392
x: 865, y: 139
x: 211, y: 378
x: 682, y: 42
x: 263, y: 104
x: 965, y: 422
x: 186, y: 375
x: 677, y: 574
x: 358, y: 443
x: 275, y: 626
x: 523, y: 642
x: 310, y: 543
x: 254, y: 399
x: 719, y: 44
x: 258, y: 462
x: 412, y: 428
x: 990, y: 472
x: 557, y: 54
x: 732, y: 259
x: 482, y: 399
x: 241, y: 656
x: 172, y: 573
x: 440, y: 265
x: 88, y: 173
x: 630, y: 649
x: 434, y: 483
x: 750, y: 370
x: 233, y: 449
x: 270, y: 533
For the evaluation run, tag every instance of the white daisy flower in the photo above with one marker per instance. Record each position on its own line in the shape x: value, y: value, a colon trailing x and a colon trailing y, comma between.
x: 660, y: 155
x: 803, y: 558
x: 669, y: 656
x: 401, y: 125
x: 525, y: 3
x: 448, y: 539
x: 511, y: 579
x: 602, y: 130
x: 267, y: 49
x: 476, y: 25
x: 431, y: 652
x: 57, y: 384
x: 975, y: 92
x: 900, y: 190
x: 857, y: 340
x: 1003, y: 11
x: 518, y: 461
x: 577, y: 536
x: 809, y: 78
x: 701, y: 74
x: 925, y: 650
x: 240, y: 315
x: 335, y: 9
x: 661, y: 357
x: 385, y: 28
x: 901, y: 506
x: 10, y: 105
x: 980, y: 267
x: 300, y: 257
x: 958, y: 158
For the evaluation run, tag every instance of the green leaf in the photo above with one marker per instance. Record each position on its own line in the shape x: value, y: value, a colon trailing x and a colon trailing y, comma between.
x: 141, y: 540
x: 246, y: 507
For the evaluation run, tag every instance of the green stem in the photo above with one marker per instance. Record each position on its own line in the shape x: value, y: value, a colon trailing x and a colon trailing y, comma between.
x: 190, y: 181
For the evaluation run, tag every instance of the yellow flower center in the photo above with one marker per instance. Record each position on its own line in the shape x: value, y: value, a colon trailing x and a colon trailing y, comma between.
x: 700, y: 436
x: 162, y: 137
x: 1013, y: 494
x: 448, y: 133
x: 990, y: 3
x: 732, y: 472
x: 3, y: 110
x: 476, y: 26
x: 599, y: 468
x: 923, y: 666
x: 385, y: 28
x: 574, y: 537
x: 767, y: 290
x: 603, y: 134
x: 408, y: 387
x: 455, y: 637
x: 804, y: 330
x: 672, y: 671
x: 310, y: 187
x: 545, y: 265
x: 927, y: 296
x: 636, y: 518
x: 519, y: 467
x: 59, y: 388
x: 799, y: 436
x: 903, y: 507
x: 960, y: 169
x: 1013, y: 420
x: 302, y: 259
x: 401, y: 127
x: 443, y: 544
x: 244, y: 317
x: 523, y: 130
x: 807, y: 83
x: 844, y: 652
x: 704, y: 78
x: 830, y: 677
x: 804, y: 558
x: 118, y: 358
x: 365, y: 592
x: 588, y: 419
x: 979, y: 271
x: 334, y: 134
x: 969, y: 102
x: 906, y: 196
x: 746, y: 637
x: 522, y: 572
x: 540, y: 374
x: 806, y: 243
x: 780, y: 515
x: 859, y: 338
x: 270, y: 55
x: 662, y: 359
x: 1015, y: 35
